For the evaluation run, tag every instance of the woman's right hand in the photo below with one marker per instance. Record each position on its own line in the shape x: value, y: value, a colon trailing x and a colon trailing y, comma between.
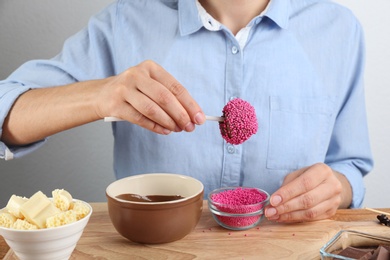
x: 147, y: 95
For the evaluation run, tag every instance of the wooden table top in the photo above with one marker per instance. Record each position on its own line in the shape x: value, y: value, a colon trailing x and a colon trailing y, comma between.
x: 269, y: 240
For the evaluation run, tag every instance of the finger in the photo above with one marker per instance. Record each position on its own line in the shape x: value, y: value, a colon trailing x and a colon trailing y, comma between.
x: 132, y: 115
x: 323, y: 210
x: 143, y: 101
x: 305, y: 201
x: 130, y: 106
x: 191, y: 107
x: 306, y: 181
x: 162, y: 100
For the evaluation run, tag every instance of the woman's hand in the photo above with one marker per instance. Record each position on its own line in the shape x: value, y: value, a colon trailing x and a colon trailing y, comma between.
x: 309, y: 194
x: 150, y: 97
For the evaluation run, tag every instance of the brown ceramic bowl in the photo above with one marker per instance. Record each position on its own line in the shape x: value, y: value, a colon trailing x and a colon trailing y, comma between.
x: 155, y: 222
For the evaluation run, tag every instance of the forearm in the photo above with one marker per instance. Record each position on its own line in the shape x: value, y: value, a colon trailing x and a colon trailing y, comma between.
x: 346, y: 193
x: 39, y: 113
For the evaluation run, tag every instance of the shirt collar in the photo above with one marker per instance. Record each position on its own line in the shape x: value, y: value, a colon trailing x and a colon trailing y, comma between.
x: 279, y: 12
x: 190, y: 21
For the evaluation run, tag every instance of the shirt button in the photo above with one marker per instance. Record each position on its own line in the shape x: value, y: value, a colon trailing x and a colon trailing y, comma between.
x: 231, y: 149
x: 232, y: 97
x: 234, y: 49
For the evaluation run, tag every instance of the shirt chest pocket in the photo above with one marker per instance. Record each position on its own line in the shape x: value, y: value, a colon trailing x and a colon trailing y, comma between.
x: 299, y: 131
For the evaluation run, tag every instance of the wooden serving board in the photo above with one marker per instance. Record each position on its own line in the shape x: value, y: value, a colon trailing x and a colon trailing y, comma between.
x: 269, y: 240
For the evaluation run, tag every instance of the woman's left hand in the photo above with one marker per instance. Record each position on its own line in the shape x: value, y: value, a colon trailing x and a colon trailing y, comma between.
x: 309, y: 194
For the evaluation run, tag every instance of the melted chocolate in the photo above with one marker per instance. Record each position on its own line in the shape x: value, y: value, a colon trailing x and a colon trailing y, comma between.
x: 148, y: 198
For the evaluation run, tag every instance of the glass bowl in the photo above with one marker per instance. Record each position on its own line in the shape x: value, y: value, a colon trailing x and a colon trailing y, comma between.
x: 349, y: 238
x: 233, y: 214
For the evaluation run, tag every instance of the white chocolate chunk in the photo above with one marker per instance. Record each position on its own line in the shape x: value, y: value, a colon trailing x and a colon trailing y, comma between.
x: 62, y: 199
x: 7, y: 219
x: 80, y: 209
x: 62, y: 218
x: 22, y: 224
x: 14, y: 204
x: 37, y: 209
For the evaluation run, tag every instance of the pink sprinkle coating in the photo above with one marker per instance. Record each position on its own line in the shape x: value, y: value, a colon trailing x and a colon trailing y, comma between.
x: 239, y: 201
x: 239, y: 196
x: 240, y: 121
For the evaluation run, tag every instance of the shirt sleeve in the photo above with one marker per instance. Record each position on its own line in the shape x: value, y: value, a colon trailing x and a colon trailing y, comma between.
x: 349, y: 151
x: 87, y: 55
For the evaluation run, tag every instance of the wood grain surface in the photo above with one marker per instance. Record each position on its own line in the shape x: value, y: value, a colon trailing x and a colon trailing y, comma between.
x: 269, y: 240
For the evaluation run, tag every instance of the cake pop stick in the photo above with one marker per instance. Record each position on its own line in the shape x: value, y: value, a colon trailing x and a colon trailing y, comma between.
x: 210, y: 118
x: 215, y: 118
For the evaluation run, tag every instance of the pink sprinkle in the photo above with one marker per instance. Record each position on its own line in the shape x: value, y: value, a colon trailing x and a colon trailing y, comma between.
x: 240, y: 121
x: 239, y: 200
x: 239, y: 197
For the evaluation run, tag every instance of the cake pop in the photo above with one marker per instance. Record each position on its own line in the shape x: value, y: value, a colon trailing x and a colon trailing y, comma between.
x: 239, y: 123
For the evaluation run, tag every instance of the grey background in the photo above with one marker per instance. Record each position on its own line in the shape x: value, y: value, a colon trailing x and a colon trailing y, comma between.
x: 80, y: 160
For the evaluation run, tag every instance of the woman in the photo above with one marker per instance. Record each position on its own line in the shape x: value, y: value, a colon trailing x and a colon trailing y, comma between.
x: 161, y: 65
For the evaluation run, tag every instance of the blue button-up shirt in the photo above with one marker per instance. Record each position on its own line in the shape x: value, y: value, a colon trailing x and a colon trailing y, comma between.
x: 300, y: 66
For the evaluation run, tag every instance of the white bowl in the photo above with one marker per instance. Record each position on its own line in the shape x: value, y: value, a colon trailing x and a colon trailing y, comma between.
x: 50, y: 243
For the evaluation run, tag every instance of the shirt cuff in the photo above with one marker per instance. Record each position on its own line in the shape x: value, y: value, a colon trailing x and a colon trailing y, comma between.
x: 13, y: 152
x: 9, y: 92
x: 355, y: 178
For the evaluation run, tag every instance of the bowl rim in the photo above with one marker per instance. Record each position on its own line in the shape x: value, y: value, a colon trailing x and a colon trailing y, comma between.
x: 200, y: 191
x: 324, y: 249
x: 51, y: 228
x: 215, y: 191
